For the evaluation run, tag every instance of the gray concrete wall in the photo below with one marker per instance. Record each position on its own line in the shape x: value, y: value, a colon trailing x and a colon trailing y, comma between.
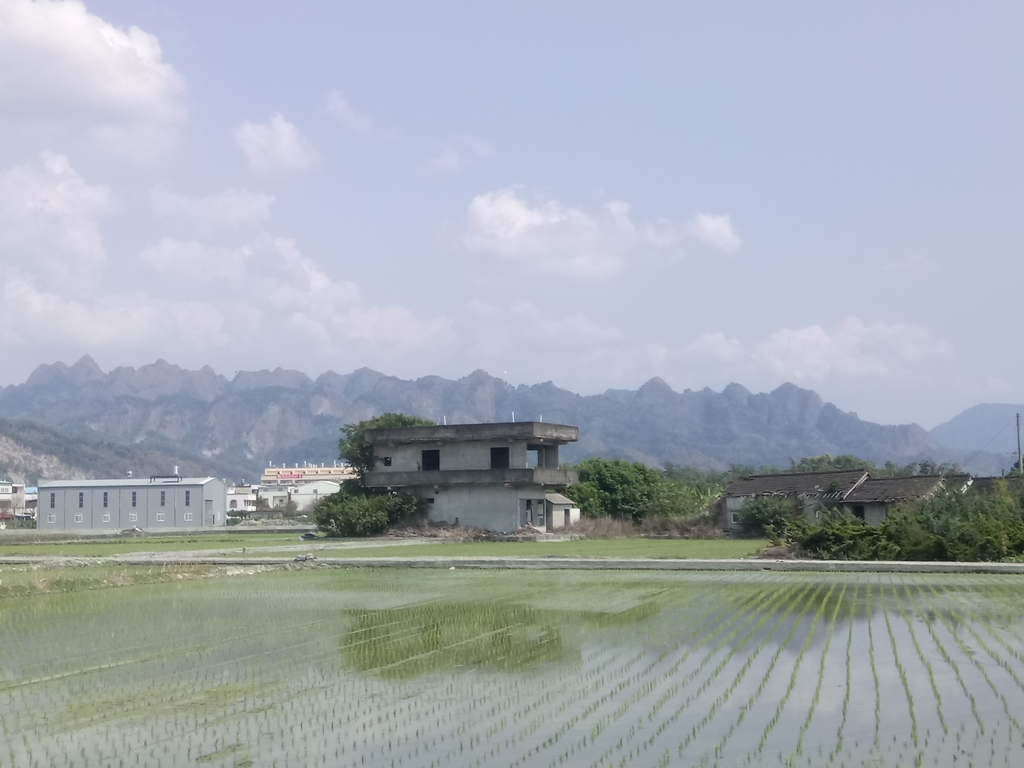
x: 454, y: 456
x: 493, y: 508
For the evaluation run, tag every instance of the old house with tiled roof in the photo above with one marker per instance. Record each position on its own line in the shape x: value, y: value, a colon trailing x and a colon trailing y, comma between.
x: 809, y: 491
x: 869, y: 498
x: 872, y: 500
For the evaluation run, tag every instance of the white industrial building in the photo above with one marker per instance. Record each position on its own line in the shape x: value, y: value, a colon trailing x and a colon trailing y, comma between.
x: 159, y: 502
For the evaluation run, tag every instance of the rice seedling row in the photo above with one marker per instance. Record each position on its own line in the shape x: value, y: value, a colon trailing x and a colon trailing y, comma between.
x: 393, y: 668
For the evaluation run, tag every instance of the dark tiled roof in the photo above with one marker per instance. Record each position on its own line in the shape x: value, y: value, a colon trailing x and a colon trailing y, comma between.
x: 828, y: 485
x: 889, y: 489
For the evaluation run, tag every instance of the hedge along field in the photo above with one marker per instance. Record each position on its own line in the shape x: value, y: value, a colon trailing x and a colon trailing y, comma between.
x: 518, y: 668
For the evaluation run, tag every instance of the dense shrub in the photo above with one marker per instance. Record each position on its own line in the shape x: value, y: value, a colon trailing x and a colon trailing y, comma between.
x: 359, y: 514
x: 951, y: 526
x: 768, y: 516
x: 630, y: 490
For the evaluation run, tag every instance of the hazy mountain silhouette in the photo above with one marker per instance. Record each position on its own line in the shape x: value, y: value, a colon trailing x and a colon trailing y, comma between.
x: 283, y: 416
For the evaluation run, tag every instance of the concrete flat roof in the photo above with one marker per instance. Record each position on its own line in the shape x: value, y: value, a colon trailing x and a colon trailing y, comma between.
x: 536, y: 431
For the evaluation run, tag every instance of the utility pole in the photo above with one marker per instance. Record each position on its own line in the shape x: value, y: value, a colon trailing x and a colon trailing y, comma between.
x: 1020, y: 465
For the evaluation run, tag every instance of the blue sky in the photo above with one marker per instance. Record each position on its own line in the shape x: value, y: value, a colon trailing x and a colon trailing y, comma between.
x: 589, y: 193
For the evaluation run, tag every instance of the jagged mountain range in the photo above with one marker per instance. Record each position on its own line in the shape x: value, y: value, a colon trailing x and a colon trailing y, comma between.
x: 234, y: 427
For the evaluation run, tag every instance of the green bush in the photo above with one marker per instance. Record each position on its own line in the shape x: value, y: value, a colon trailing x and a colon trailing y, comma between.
x: 950, y: 526
x: 768, y: 516
x: 348, y: 514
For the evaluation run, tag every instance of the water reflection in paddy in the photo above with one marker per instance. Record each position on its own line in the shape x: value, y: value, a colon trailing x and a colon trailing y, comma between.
x: 431, y: 668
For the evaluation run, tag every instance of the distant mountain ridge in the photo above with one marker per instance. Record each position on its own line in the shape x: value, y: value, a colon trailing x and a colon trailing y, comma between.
x: 238, y: 425
x: 988, y: 428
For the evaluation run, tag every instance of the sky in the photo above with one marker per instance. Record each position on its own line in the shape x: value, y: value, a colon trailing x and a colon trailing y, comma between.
x: 589, y: 193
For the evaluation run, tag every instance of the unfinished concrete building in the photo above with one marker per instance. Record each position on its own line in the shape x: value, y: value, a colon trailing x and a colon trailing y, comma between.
x: 493, y: 476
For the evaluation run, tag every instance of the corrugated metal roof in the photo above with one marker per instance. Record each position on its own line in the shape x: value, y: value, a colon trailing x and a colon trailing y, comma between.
x: 159, y: 482
x: 557, y: 498
x: 889, y: 489
x: 827, y: 485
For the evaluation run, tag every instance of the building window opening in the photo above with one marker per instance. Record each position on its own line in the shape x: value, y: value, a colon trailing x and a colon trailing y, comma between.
x: 51, y: 518
x: 532, y: 457
x: 188, y: 498
x: 431, y: 460
x: 386, y: 461
x: 858, y: 511
x: 134, y: 497
x: 53, y: 500
x: 159, y: 517
x: 133, y: 517
x: 188, y: 517
x: 499, y: 458
x: 104, y: 498
x: 163, y: 498
x: 78, y: 517
x: 81, y: 500
x: 106, y: 517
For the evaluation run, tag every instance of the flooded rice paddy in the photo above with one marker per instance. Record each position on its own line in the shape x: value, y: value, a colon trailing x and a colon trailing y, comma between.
x: 518, y: 668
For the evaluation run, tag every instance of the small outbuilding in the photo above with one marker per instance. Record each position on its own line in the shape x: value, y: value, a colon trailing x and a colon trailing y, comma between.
x: 562, y: 511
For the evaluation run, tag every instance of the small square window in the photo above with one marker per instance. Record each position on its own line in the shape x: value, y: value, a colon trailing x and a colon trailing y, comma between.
x: 735, y: 518
x: 387, y: 461
x: 159, y: 517
x: 51, y: 518
x: 431, y: 460
x: 188, y: 517
x: 133, y: 517
x: 78, y: 517
x: 106, y: 517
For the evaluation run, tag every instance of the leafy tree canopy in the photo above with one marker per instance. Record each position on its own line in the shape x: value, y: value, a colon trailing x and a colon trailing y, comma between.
x: 631, y: 490
x: 353, y: 447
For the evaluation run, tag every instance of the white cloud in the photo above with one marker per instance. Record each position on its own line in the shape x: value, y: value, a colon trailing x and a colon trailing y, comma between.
x: 715, y: 348
x: 558, y: 238
x: 274, y: 147
x: 457, y: 154
x: 551, y: 236
x: 30, y: 316
x: 338, y: 108
x: 288, y: 290
x: 447, y: 160
x: 49, y: 220
x: 59, y: 63
x: 853, y: 349
x: 714, y: 231
x: 232, y: 208
x: 912, y: 265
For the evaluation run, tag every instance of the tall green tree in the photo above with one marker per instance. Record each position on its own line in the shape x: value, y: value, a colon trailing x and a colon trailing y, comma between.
x: 353, y: 447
